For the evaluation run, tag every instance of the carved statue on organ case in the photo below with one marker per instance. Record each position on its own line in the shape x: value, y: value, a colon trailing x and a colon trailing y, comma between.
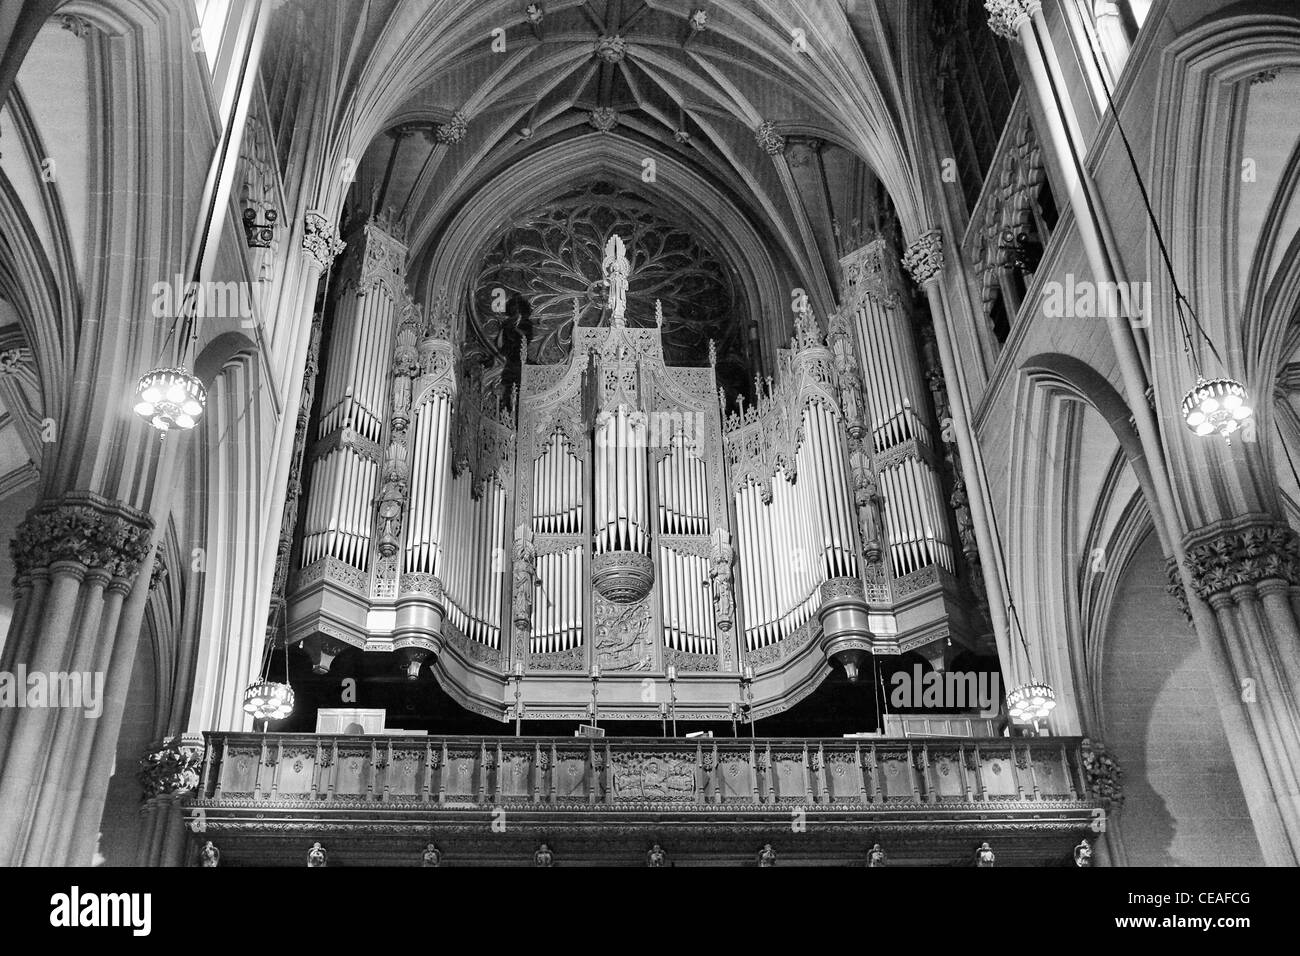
x: 866, y: 496
x: 525, y: 565
x: 392, y: 501
x: 721, y: 555
x: 209, y: 856
x: 617, y: 270
x: 847, y: 376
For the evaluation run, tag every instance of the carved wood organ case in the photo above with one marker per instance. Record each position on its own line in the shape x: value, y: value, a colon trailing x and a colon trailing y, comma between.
x: 613, y: 516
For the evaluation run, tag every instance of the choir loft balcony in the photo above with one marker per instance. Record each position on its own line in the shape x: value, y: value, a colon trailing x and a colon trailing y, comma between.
x: 380, y: 800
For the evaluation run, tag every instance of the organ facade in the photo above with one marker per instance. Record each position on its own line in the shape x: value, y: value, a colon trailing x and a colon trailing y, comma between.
x: 620, y: 517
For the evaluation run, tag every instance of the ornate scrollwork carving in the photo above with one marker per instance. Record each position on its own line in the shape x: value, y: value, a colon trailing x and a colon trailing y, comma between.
x: 623, y: 636
x: 765, y: 438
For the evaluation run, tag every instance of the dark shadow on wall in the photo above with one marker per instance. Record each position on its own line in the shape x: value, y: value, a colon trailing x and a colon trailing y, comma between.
x: 1183, y: 802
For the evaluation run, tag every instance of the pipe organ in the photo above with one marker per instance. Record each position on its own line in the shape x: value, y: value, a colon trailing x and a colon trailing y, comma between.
x: 647, y: 531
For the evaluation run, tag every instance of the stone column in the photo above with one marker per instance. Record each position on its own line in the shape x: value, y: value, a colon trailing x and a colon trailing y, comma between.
x: 169, y: 774
x: 924, y: 261
x: 77, y: 559
x: 1234, y: 646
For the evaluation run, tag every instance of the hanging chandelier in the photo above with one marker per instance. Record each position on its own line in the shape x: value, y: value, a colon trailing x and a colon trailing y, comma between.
x: 1031, y: 702
x: 170, y: 398
x: 1218, y: 405
x: 268, y: 700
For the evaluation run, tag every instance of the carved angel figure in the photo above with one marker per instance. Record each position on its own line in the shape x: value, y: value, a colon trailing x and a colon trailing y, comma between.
x: 209, y: 856
x: 767, y: 856
x: 543, y: 856
x: 392, y: 497
x: 721, y: 555
x: 617, y: 269
x: 656, y: 856
x: 525, y: 558
x: 431, y: 856
x: 876, y: 857
x: 316, y: 855
x: 984, y: 855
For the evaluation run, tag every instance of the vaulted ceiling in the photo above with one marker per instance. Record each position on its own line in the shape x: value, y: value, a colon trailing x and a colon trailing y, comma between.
x: 760, y: 126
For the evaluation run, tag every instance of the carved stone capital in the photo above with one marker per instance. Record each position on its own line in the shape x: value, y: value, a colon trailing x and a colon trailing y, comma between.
x: 171, y: 769
x: 86, y: 529
x: 924, y: 258
x: 1242, y: 552
x: 1006, y: 17
x: 320, y: 239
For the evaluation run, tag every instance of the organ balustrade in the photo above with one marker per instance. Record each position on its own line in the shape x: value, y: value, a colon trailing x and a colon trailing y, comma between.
x: 1044, y: 775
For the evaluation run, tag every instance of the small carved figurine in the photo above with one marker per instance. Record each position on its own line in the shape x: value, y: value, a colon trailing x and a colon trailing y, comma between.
x: 431, y: 856
x: 543, y: 856
x: 209, y: 856
x: 316, y: 855
x: 656, y: 856
x: 876, y: 857
x: 1083, y: 854
x: 767, y: 856
x: 984, y: 855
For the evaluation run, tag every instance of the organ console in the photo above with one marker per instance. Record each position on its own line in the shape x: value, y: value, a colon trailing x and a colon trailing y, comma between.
x: 613, y: 516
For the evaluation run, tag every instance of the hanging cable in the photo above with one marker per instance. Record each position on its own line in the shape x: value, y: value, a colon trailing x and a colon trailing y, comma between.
x: 1180, y: 300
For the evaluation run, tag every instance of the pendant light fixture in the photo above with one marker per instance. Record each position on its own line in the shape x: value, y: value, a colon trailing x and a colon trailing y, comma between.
x: 265, y: 699
x: 171, y: 396
x: 1217, y: 405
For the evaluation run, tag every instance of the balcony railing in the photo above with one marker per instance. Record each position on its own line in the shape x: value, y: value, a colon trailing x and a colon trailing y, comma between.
x: 380, y: 773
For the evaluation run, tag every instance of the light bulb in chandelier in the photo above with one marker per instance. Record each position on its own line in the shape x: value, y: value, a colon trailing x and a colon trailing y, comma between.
x: 170, y: 398
x: 268, y: 700
x: 1218, y: 405
x: 1030, y: 702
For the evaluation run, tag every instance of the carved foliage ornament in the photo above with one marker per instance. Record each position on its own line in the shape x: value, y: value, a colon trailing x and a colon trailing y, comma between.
x: 1007, y: 16
x: 171, y: 769
x: 320, y: 239
x: 1245, y: 556
x: 924, y: 258
x: 1102, y: 773
x: 768, y: 139
x: 87, y: 529
x: 452, y: 131
x: 611, y: 49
